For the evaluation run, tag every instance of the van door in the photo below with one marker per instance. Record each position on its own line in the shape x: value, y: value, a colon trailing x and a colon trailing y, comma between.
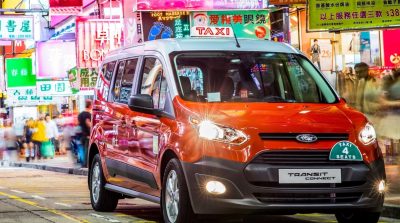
x: 150, y: 128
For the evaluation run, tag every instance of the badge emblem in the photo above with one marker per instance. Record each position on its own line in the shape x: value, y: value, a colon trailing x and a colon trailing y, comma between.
x: 306, y: 138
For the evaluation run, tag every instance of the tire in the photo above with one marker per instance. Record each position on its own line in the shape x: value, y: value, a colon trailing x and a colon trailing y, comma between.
x: 100, y: 198
x: 364, y: 217
x: 182, y: 204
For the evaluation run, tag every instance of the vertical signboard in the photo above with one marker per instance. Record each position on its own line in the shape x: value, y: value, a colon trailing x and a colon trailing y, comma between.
x: 19, y: 73
x: 63, y: 58
x: 391, y: 48
x: 95, y: 38
x: 133, y: 33
x: 245, y: 24
x: 16, y: 27
x: 163, y: 25
x: 326, y: 15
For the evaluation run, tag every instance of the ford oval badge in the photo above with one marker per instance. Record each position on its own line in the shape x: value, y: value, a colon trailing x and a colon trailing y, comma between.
x: 306, y: 138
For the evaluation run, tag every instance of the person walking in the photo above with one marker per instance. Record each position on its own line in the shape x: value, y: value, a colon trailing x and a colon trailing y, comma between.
x: 39, y: 135
x: 28, y: 143
x: 85, y: 123
x: 51, y: 131
x: 315, y: 53
x: 10, y: 142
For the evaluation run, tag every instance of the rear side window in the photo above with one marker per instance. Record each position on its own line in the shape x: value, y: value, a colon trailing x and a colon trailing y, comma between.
x: 124, y: 80
x: 103, y: 82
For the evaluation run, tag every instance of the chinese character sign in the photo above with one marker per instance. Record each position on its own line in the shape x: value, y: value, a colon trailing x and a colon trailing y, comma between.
x: 63, y: 58
x: 391, y: 47
x: 245, y: 24
x: 133, y: 30
x: 53, y: 88
x: 95, y: 37
x: 199, y: 4
x: 163, y: 25
x: 16, y: 27
x: 19, y: 72
x: 349, y: 15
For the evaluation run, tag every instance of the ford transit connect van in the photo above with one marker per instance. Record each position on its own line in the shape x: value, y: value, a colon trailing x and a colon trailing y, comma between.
x: 208, y: 126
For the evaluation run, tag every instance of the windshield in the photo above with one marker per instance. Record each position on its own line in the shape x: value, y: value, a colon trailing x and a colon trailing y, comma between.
x: 249, y: 77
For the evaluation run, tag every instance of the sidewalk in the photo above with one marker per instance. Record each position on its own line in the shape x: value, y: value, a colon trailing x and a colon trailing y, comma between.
x: 66, y: 164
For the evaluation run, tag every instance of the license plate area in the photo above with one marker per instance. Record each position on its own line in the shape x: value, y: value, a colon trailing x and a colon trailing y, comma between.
x: 310, y: 176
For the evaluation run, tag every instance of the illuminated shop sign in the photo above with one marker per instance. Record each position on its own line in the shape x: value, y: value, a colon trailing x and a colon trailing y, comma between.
x: 287, y: 2
x: 65, y: 7
x: 200, y: 4
x: 95, y: 38
x: 163, y: 25
x: 326, y: 15
x: 16, y: 27
x: 19, y: 72
x: 246, y: 24
x: 53, y: 88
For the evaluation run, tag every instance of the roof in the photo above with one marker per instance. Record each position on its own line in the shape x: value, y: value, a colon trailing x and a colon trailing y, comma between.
x: 206, y: 44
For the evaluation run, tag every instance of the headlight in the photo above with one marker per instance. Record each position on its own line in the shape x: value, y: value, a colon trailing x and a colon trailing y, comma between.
x: 367, y: 134
x: 211, y: 131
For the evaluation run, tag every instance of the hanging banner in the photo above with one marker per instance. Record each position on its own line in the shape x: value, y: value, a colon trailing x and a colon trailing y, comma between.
x: 324, y: 15
x: 133, y: 32
x: 83, y: 79
x: 95, y: 38
x: 245, y: 24
x: 287, y: 2
x: 19, y: 72
x: 16, y: 27
x: 203, y: 5
x: 163, y: 25
x: 53, y: 88
x: 63, y: 58
x: 391, y: 48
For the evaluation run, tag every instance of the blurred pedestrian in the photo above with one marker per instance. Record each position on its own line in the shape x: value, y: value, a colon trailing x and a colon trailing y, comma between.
x: 389, y: 128
x: 11, y: 153
x: 28, y: 143
x: 2, y: 140
x: 85, y: 123
x: 39, y: 135
x: 51, y: 131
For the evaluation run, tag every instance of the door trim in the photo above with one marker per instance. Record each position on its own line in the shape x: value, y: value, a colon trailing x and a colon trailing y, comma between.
x: 132, y: 193
x: 116, y: 167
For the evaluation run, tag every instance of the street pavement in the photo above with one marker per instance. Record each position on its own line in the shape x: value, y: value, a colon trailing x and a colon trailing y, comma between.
x: 31, y: 195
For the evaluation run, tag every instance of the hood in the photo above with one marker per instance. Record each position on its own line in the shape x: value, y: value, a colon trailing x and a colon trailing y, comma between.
x: 276, y: 117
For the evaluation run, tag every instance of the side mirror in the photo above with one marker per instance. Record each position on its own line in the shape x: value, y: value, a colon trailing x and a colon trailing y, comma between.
x: 142, y: 103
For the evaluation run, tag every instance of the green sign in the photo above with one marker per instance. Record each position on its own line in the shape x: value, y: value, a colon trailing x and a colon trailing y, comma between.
x: 19, y: 72
x: 245, y: 24
x: 345, y: 150
x: 351, y: 15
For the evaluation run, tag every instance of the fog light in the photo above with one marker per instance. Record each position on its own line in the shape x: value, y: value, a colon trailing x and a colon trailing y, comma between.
x: 215, y: 187
x: 381, y: 186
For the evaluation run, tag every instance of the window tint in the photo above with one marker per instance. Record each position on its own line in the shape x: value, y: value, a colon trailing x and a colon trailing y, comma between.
x: 117, y: 84
x: 154, y: 83
x: 109, y: 70
x: 124, y: 80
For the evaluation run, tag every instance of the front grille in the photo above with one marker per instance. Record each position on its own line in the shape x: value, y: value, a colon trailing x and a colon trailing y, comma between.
x: 299, y: 157
x: 292, y: 136
x: 309, y: 198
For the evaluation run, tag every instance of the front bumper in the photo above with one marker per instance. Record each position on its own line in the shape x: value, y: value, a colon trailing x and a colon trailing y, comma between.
x: 254, y: 188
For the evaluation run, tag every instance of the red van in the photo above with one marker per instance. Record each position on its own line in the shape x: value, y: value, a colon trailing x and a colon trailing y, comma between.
x: 211, y: 126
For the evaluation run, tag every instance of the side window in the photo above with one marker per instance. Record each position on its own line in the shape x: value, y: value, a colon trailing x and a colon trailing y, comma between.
x: 109, y: 70
x: 117, y: 83
x: 154, y: 83
x: 124, y: 80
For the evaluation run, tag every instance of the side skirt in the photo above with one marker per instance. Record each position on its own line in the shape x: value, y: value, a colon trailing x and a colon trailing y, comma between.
x: 132, y: 193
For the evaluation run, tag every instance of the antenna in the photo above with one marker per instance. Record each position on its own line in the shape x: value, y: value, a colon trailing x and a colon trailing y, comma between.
x: 234, y: 34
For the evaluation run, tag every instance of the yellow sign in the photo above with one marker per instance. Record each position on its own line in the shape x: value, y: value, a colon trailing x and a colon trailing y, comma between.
x: 332, y: 15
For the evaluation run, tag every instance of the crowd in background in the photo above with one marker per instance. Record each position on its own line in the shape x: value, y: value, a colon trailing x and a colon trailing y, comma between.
x: 45, y: 137
x: 376, y: 93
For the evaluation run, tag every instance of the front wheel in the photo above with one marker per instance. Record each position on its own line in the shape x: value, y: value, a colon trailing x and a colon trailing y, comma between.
x: 175, y: 200
x: 100, y: 198
x: 364, y: 217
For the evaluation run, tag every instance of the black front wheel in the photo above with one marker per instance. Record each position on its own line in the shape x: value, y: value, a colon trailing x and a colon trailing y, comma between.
x: 175, y: 200
x: 101, y: 199
x: 353, y: 217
